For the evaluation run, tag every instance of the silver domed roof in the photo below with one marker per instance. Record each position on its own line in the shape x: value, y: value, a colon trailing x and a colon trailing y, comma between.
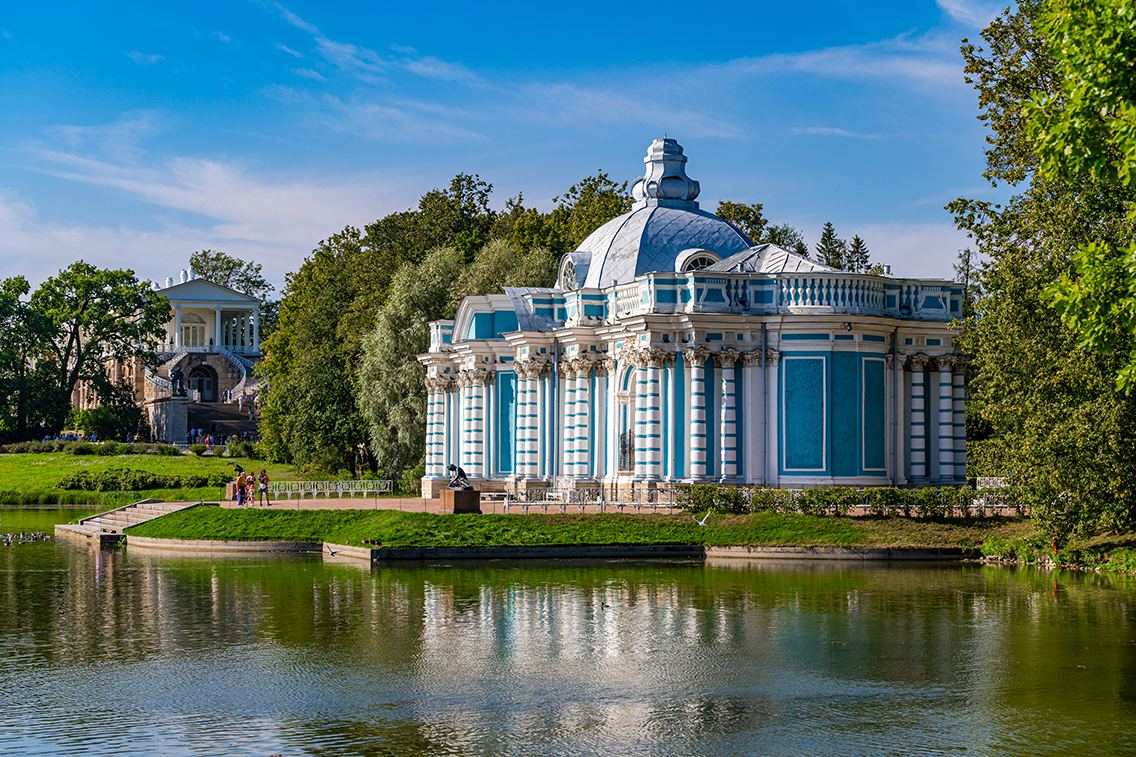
x: 652, y: 238
x: 661, y: 226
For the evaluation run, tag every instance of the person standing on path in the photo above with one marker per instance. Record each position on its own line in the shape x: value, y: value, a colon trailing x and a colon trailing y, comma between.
x: 262, y: 488
x: 241, y: 483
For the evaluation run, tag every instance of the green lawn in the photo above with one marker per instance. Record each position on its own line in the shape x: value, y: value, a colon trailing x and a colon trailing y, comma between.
x: 34, y: 478
x: 399, y: 529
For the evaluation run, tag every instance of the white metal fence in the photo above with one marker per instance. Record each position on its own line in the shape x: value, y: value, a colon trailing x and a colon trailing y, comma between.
x: 313, y: 489
x: 564, y: 500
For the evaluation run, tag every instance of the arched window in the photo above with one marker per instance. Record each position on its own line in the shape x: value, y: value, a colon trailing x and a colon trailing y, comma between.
x: 192, y: 330
x: 699, y: 262
x: 568, y: 275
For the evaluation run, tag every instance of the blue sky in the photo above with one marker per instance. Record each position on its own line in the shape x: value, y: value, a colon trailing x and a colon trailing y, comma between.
x: 135, y: 133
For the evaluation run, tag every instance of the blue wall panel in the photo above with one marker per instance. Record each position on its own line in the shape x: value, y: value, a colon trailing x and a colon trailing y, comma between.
x: 804, y: 412
x: 506, y: 419
x: 875, y: 419
x: 845, y: 412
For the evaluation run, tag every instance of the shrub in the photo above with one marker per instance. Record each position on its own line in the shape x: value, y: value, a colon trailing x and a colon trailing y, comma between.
x: 106, y: 449
x: 81, y: 448
x: 127, y: 479
x: 197, y: 449
x: 410, y: 482
x: 168, y: 450
x: 124, y: 449
x: 243, y: 449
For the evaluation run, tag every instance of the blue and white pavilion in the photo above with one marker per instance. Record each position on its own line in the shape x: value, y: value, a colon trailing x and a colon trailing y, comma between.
x: 673, y: 349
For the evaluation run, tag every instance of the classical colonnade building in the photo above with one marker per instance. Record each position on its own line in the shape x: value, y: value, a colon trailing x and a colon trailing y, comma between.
x: 674, y: 349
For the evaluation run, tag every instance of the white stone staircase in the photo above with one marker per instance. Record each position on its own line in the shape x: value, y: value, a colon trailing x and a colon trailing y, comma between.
x: 107, y: 528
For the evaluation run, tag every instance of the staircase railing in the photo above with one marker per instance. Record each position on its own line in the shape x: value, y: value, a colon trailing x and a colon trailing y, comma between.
x: 243, y: 364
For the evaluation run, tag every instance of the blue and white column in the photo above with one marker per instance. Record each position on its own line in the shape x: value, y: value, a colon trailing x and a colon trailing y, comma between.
x: 568, y: 438
x: 726, y: 360
x: 436, y: 427
x: 918, y: 419
x: 583, y: 369
x: 655, y: 361
x: 696, y: 362
x: 465, y: 405
x: 946, y: 420
x: 641, y: 423
x: 959, y: 392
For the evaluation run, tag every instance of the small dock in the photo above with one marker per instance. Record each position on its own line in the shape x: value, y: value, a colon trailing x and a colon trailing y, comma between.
x: 106, y: 529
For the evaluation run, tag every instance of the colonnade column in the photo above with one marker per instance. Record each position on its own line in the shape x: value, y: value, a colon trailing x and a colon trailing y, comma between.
x: 655, y: 361
x: 177, y: 325
x: 568, y: 448
x: 479, y: 380
x: 600, y: 410
x: 256, y: 331
x: 583, y: 368
x: 946, y: 419
x: 696, y: 362
x: 752, y: 468
x: 526, y: 418
x: 959, y: 396
x: 435, y: 427
x: 465, y: 449
x: 217, y: 326
x: 918, y: 419
x: 726, y: 360
x: 674, y: 438
x: 896, y: 409
x: 641, y: 423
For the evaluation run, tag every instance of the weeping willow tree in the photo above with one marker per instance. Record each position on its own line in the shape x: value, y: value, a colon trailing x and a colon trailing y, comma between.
x: 391, y: 381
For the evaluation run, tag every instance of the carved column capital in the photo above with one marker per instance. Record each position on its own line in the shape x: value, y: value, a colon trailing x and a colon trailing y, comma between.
x: 475, y: 377
x: 439, y: 384
x: 697, y: 356
x: 604, y: 366
x: 751, y: 358
x: 945, y: 362
x: 772, y: 356
x: 725, y: 357
x: 918, y: 362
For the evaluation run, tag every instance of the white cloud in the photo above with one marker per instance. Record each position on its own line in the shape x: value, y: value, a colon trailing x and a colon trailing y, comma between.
x: 830, y: 131
x: 295, y: 20
x: 5, y: 34
x: 222, y: 37
x: 919, y: 250
x: 287, y: 49
x: 140, y: 59
x: 308, y: 73
x: 970, y: 13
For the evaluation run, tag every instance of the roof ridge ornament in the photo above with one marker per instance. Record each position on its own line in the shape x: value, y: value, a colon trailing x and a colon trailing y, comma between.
x: 665, y: 182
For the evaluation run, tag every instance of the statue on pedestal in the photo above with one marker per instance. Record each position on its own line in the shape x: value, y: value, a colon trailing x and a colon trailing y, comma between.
x: 459, y: 482
x: 177, y: 383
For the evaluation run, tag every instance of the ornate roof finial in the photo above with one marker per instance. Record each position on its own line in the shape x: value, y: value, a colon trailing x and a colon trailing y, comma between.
x: 665, y: 181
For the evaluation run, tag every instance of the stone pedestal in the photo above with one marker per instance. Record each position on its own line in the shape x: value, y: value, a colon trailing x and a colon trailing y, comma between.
x: 169, y: 419
x: 460, y: 502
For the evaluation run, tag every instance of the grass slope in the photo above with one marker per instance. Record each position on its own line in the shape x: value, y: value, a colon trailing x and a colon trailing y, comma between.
x: 33, y: 478
x: 399, y: 529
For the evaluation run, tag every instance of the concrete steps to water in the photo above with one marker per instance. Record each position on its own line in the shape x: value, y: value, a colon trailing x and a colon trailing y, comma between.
x: 107, y: 528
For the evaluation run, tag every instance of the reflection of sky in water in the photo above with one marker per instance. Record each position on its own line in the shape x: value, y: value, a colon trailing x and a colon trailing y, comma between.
x: 128, y: 653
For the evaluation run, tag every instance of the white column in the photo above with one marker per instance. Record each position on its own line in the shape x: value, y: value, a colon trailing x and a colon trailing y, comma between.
x: 895, y: 410
x: 248, y: 329
x: 918, y: 419
x: 600, y: 412
x: 727, y: 424
x: 583, y: 418
x: 256, y: 331
x: 477, y: 422
x: 673, y: 437
x: 696, y: 362
x: 466, y: 447
x: 959, y: 392
x: 217, y: 326
x: 772, y: 419
x: 568, y: 437
x: 751, y: 428
x: 177, y: 325
x: 542, y: 448
x: 640, y: 427
x: 435, y: 428
x: 655, y: 360
x: 946, y: 420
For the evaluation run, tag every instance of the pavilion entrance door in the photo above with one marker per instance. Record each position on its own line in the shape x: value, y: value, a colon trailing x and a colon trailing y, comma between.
x: 202, y: 381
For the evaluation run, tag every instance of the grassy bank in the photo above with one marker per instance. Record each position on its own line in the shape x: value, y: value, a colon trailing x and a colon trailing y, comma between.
x: 33, y: 479
x: 399, y: 529
x: 1112, y: 551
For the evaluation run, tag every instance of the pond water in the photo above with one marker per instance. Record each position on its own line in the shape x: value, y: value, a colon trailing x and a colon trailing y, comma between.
x: 119, y: 652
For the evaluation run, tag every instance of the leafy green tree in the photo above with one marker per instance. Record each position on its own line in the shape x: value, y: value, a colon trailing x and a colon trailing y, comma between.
x: 587, y: 205
x: 831, y: 250
x: 241, y: 275
x: 309, y: 415
x: 24, y: 337
x: 858, y: 259
x: 96, y: 315
x: 1057, y: 423
x: 746, y: 218
x: 785, y: 236
x: 1084, y: 127
x: 391, y: 381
